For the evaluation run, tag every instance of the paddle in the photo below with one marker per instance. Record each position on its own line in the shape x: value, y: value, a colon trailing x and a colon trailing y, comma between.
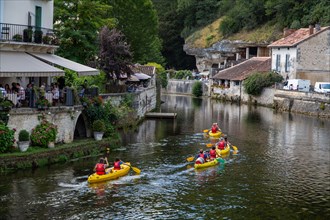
x: 135, y: 169
x: 190, y: 159
x: 209, y: 145
x: 206, y: 130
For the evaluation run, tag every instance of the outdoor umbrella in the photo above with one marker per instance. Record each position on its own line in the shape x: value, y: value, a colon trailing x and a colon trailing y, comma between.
x: 133, y: 78
x: 142, y: 76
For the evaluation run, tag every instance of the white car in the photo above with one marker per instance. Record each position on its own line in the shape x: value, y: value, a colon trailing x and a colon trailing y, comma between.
x: 322, y: 87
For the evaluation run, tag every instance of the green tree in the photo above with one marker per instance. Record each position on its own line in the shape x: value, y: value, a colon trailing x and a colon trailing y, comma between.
x: 77, y: 23
x: 197, y: 89
x: 138, y: 20
x: 255, y: 83
x: 170, y: 27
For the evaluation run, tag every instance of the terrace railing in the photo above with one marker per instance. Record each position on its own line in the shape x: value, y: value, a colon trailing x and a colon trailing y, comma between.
x: 27, y: 34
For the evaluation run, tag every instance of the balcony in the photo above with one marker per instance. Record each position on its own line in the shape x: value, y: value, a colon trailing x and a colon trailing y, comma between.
x: 15, y: 33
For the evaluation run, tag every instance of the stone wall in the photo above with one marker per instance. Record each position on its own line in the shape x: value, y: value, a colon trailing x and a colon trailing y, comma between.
x: 143, y: 101
x: 310, y: 103
x: 237, y: 94
x: 64, y: 117
x: 184, y: 87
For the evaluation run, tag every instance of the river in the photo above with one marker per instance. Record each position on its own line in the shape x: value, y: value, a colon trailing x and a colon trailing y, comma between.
x: 282, y: 171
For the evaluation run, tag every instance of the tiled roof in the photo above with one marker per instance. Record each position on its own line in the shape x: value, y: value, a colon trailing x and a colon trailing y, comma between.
x: 149, y: 70
x: 296, y: 37
x: 243, y: 70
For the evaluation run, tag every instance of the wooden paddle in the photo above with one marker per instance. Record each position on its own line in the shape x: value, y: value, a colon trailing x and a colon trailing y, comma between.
x: 135, y: 169
x: 190, y: 159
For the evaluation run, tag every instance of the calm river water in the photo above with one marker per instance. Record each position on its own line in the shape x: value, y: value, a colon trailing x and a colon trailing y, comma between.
x: 282, y: 171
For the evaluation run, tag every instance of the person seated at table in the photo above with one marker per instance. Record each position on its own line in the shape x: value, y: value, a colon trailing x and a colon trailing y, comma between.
x: 3, y: 92
x: 56, y: 94
x: 101, y: 166
x: 7, y: 88
x: 20, y: 95
x: 215, y: 128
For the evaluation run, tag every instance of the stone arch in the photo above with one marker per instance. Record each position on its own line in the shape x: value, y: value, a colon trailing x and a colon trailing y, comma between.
x: 80, y: 130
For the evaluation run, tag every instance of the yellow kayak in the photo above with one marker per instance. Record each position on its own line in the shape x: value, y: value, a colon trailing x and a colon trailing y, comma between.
x: 115, y: 174
x: 224, y: 151
x: 216, y: 134
x: 206, y: 164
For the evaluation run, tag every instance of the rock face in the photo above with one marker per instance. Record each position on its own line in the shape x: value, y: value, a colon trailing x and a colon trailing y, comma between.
x: 220, y: 53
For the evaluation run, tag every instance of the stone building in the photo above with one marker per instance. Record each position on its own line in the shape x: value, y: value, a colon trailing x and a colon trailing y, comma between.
x: 303, y: 54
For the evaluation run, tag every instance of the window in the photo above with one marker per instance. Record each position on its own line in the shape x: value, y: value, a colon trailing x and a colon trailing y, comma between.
x: 287, y: 63
x: 278, y: 63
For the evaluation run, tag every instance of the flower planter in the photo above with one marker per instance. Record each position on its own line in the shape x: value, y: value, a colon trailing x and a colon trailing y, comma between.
x: 23, y: 145
x: 98, y: 135
x: 51, y: 144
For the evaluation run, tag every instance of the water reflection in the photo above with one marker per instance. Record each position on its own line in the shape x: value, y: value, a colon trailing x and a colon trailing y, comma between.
x: 282, y: 171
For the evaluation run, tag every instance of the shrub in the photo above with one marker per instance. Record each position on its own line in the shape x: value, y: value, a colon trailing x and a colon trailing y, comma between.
x: 6, y: 138
x: 98, y: 126
x: 23, y: 135
x: 197, y: 89
x: 44, y: 133
x: 255, y: 83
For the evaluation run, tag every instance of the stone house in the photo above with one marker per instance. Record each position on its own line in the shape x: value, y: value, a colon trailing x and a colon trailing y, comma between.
x: 228, y: 83
x: 28, y: 44
x: 303, y: 54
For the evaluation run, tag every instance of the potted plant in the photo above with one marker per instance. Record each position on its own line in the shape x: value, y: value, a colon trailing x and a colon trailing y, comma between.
x: 38, y: 36
x: 98, y: 129
x: 27, y: 34
x: 42, y: 103
x: 23, y: 140
x: 46, y: 39
x: 44, y: 134
x: 18, y: 37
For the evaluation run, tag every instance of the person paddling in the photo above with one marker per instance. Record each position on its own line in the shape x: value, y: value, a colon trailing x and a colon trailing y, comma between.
x: 101, y: 166
x: 215, y: 128
x: 213, y: 153
x: 117, y: 163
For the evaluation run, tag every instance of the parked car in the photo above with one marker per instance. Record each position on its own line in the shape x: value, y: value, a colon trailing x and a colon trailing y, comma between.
x: 302, y: 85
x: 322, y: 87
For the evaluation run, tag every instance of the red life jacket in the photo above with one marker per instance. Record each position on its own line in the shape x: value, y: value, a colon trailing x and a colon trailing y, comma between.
x: 201, y: 155
x: 213, y: 154
x: 214, y: 129
x: 221, y: 145
x: 100, y: 170
x: 116, y: 165
x: 199, y: 160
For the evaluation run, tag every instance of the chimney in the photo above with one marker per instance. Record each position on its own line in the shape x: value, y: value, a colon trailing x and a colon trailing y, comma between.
x: 317, y: 28
x: 311, y: 29
x: 287, y: 32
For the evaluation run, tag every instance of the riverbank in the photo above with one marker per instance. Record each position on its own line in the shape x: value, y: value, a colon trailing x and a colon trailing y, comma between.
x: 38, y: 157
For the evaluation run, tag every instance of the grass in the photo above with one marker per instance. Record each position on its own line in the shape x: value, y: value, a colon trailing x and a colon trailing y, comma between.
x: 264, y: 34
x: 206, y: 36
x: 210, y: 34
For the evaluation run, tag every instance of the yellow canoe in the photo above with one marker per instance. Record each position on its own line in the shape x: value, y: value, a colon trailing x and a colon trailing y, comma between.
x: 115, y: 174
x: 206, y: 164
x: 215, y: 135
x: 224, y: 151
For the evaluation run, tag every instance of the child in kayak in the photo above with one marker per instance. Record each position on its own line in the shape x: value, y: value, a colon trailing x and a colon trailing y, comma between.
x: 101, y: 166
x: 117, y: 163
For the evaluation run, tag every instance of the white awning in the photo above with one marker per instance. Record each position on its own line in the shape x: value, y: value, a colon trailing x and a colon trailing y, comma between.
x: 142, y: 76
x: 205, y: 73
x: 21, y: 64
x: 82, y: 70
